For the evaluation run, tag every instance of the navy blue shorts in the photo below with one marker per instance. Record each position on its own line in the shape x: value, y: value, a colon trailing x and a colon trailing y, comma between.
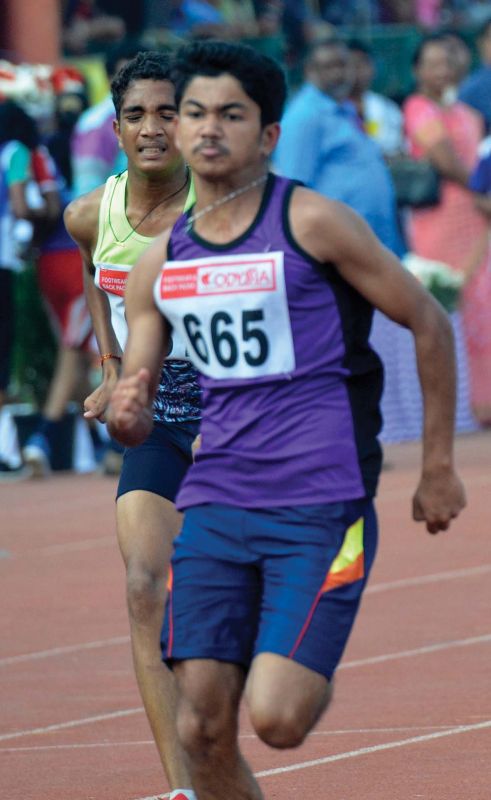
x: 159, y: 464
x: 282, y: 580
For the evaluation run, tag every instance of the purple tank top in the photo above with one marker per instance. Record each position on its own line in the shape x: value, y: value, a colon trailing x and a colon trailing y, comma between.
x: 291, y: 387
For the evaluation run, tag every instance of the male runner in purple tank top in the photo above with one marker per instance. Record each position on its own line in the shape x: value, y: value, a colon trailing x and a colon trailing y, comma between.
x: 273, y: 288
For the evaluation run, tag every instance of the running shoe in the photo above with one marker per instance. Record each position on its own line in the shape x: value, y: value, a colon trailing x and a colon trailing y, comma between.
x: 36, y: 454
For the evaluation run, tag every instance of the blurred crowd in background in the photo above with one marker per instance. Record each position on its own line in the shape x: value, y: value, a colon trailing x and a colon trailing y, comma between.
x: 389, y: 111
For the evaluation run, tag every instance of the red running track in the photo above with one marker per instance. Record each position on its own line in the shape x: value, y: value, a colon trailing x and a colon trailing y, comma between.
x: 411, y: 716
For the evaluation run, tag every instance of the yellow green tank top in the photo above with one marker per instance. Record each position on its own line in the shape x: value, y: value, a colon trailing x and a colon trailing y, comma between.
x: 117, y: 250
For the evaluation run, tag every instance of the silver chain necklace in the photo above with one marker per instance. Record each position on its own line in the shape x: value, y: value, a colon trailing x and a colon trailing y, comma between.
x: 231, y: 196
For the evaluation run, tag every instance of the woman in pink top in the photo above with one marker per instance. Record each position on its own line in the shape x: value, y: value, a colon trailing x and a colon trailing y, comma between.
x: 448, y: 134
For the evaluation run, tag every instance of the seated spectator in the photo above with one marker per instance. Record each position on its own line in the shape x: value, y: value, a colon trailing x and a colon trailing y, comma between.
x: 381, y: 117
x: 476, y: 89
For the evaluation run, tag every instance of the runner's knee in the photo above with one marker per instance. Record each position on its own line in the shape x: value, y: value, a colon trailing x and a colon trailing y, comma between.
x: 278, y: 727
x: 144, y: 594
x: 203, y: 731
x: 209, y: 696
x: 285, y: 724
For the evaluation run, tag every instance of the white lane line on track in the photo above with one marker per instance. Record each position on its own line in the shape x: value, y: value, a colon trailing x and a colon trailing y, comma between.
x: 74, y: 723
x: 349, y: 664
x: 376, y: 748
x: 421, y: 580
x: 86, y: 746
x: 377, y: 587
x: 418, y: 651
x: 150, y: 742
x: 62, y: 651
x: 362, y: 751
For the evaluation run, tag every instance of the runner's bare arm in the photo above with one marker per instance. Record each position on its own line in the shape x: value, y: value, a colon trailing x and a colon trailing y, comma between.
x: 82, y: 223
x: 130, y: 410
x: 331, y: 232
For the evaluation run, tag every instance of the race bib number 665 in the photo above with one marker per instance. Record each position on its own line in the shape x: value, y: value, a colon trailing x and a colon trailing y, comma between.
x: 232, y: 313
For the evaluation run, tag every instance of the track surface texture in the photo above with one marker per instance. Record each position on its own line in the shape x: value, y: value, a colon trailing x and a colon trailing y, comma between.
x: 411, y: 716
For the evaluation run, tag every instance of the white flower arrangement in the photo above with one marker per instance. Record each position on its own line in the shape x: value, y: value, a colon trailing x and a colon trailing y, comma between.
x: 29, y: 85
x: 34, y: 86
x: 438, y: 278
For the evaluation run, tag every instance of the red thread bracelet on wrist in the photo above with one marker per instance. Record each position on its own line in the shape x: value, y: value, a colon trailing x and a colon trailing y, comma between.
x: 107, y: 356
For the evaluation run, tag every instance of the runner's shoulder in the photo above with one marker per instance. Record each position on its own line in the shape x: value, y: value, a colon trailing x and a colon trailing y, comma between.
x: 313, y: 207
x: 81, y: 216
x: 321, y: 225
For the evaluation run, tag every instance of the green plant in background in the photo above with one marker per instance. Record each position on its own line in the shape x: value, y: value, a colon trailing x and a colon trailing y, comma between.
x: 35, y: 345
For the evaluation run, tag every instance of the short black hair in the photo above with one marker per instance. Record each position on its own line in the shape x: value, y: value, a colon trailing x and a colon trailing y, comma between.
x: 124, y: 50
x: 260, y: 76
x: 148, y: 65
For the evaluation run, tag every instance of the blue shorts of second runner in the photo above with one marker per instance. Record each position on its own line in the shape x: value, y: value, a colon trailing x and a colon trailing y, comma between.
x: 282, y: 580
x: 159, y: 464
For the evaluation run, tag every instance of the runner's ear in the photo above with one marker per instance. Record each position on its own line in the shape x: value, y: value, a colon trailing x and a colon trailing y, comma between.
x: 117, y: 132
x: 269, y: 138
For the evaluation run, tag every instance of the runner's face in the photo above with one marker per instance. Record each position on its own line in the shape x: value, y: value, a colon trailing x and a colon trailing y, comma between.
x: 146, y: 125
x: 219, y: 128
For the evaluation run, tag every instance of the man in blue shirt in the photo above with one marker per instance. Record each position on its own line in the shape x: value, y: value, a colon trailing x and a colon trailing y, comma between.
x: 476, y: 89
x: 322, y: 144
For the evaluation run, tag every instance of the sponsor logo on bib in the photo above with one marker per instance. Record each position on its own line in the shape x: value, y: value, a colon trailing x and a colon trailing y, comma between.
x: 218, y: 279
x: 113, y: 281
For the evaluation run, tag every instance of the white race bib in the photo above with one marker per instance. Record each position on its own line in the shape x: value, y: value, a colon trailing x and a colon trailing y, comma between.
x: 112, y: 279
x: 232, y: 312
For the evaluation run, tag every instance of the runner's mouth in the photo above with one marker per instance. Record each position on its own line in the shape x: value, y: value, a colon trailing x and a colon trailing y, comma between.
x: 211, y: 151
x: 152, y: 150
